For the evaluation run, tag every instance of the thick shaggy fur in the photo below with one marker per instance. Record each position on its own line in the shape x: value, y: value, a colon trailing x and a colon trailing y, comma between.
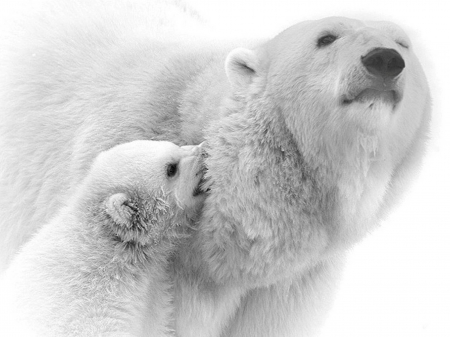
x: 299, y: 168
x: 101, y: 266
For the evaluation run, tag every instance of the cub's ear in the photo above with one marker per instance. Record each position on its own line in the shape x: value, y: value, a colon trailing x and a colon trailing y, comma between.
x: 242, y: 67
x: 126, y: 219
x: 121, y: 210
x: 132, y: 220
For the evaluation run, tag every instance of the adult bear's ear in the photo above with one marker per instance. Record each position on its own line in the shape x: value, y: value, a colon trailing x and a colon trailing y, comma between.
x: 242, y: 66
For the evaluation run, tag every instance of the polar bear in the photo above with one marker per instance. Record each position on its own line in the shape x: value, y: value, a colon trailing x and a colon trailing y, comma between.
x: 100, y: 267
x: 311, y: 138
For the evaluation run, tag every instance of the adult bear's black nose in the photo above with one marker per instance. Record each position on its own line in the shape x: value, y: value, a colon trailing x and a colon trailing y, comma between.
x: 383, y: 62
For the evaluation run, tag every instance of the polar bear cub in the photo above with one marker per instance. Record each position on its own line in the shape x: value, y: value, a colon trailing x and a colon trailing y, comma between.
x: 100, y: 267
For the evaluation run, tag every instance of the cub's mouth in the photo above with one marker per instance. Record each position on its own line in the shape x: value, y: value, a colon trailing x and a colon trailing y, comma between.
x: 204, y: 183
x: 202, y: 186
x: 197, y: 191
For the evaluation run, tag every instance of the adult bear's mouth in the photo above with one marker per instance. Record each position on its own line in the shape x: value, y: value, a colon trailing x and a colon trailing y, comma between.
x: 369, y: 90
x: 371, y: 95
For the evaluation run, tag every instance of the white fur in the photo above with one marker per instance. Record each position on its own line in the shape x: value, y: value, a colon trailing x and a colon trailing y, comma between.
x: 97, y: 269
x: 296, y: 177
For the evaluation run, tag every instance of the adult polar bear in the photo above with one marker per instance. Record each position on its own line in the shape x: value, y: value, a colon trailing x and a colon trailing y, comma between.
x: 311, y: 136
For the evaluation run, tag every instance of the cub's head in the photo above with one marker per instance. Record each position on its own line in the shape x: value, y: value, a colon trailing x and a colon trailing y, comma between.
x: 146, y: 189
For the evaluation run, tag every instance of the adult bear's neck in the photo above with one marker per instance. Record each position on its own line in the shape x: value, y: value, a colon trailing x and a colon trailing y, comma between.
x: 265, y: 216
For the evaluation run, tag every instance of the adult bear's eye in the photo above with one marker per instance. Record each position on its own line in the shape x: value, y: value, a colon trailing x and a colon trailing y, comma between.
x: 402, y: 44
x: 326, y: 40
x: 172, y: 169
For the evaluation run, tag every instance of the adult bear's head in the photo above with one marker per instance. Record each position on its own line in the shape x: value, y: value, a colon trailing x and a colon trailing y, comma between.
x: 337, y: 78
x: 332, y: 115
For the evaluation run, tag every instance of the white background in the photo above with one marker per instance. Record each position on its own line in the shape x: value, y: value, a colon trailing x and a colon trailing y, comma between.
x: 397, y: 281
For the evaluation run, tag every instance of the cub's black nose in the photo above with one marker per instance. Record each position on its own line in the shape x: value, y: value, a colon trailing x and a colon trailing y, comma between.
x: 383, y: 62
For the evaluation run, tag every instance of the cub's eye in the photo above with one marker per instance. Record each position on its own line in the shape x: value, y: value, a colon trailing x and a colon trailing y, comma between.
x: 172, y: 169
x: 326, y: 40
